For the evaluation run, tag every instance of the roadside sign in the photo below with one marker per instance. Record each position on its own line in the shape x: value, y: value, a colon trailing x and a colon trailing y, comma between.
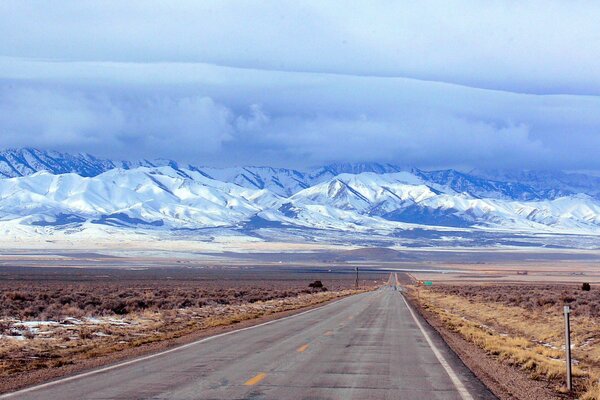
x: 427, y: 283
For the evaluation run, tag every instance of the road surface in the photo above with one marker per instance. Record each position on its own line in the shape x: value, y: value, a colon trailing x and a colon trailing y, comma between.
x: 367, y: 346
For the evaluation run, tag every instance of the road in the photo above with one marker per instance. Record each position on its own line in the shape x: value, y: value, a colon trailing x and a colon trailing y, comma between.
x: 367, y: 346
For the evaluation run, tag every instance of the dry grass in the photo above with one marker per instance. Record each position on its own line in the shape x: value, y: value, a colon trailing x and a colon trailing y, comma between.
x: 523, y: 326
x: 27, y: 300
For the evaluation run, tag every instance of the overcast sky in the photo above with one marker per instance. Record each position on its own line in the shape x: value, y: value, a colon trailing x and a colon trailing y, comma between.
x: 469, y: 84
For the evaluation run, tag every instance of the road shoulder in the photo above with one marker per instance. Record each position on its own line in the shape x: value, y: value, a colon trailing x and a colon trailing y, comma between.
x: 473, y: 383
x: 505, y: 382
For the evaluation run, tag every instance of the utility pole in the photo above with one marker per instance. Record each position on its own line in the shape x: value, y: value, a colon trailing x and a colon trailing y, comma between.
x: 567, y: 311
x: 356, y: 269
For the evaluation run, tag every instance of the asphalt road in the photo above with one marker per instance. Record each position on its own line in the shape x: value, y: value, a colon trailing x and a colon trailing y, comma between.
x: 368, y: 346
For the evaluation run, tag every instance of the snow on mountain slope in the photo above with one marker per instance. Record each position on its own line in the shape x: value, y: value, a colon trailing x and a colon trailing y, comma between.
x: 325, y: 173
x: 286, y: 182
x: 404, y: 197
x: 367, y: 193
x: 161, y: 194
x: 505, y: 185
x: 21, y: 162
x: 479, y: 187
x: 280, y: 181
x: 576, y: 212
x: 317, y: 216
x: 548, y: 184
x: 168, y: 198
x: 28, y: 161
x: 142, y: 196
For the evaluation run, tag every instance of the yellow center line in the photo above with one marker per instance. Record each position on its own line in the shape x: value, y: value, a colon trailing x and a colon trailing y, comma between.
x: 256, y: 379
x: 302, y: 348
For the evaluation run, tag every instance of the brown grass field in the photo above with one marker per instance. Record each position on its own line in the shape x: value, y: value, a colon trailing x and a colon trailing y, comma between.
x: 58, y: 300
x: 522, y: 325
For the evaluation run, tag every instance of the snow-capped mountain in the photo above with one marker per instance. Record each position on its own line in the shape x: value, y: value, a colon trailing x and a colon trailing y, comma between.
x: 520, y: 185
x: 168, y: 198
x: 23, y: 162
x: 139, y: 197
x: 61, y: 191
x: 281, y: 181
x: 408, y: 198
x: 481, y: 187
x: 28, y: 161
x: 548, y: 184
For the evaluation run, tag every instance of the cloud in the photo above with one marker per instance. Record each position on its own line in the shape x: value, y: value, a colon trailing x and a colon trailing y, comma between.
x: 538, y: 46
x: 43, y: 117
x: 187, y: 127
x: 437, y: 140
x: 305, y: 84
x: 112, y: 124
x: 255, y: 121
x: 225, y: 116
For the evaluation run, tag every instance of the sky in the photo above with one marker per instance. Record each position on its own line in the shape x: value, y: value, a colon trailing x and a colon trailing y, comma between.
x: 430, y: 84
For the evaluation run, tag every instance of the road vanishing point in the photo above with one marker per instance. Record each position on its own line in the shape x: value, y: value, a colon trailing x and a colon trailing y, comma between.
x: 367, y: 346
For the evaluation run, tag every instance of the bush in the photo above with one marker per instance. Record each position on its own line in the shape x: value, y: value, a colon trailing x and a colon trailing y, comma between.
x: 28, y: 334
x: 586, y: 286
x: 566, y: 298
x: 86, y: 333
x: 55, y: 300
x: 5, y: 327
x: 532, y: 296
x: 317, y: 285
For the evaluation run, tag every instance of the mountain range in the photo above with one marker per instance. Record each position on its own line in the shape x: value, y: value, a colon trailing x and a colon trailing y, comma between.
x: 50, y: 191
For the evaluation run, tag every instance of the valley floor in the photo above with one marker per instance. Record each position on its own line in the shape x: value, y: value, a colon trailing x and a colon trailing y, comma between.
x: 67, y: 308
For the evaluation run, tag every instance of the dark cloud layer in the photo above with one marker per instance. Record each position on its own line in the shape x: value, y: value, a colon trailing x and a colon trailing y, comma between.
x: 304, y: 84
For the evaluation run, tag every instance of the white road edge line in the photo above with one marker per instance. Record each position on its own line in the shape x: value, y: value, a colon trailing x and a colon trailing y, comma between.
x: 462, y: 390
x: 148, y: 357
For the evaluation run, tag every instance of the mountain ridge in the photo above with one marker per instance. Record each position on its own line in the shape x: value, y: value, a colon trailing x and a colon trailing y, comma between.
x: 523, y: 185
x: 165, y: 198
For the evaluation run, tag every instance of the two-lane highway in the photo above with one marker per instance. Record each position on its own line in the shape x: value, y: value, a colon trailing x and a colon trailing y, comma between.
x: 368, y: 346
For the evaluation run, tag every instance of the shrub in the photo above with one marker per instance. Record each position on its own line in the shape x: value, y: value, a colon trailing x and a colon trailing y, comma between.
x: 5, y: 327
x: 49, y: 300
x: 86, y: 333
x: 318, y: 286
x: 28, y: 334
x: 566, y: 298
x: 586, y: 286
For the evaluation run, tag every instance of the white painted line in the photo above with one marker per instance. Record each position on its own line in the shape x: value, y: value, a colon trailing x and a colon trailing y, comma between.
x: 148, y: 357
x: 462, y: 390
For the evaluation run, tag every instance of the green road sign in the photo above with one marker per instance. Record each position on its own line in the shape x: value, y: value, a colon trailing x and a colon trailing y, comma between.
x: 427, y: 283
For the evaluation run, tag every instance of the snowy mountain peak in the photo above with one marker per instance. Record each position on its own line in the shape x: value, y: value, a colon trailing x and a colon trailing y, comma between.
x: 62, y: 191
x: 26, y: 161
x: 169, y: 198
x: 522, y: 185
